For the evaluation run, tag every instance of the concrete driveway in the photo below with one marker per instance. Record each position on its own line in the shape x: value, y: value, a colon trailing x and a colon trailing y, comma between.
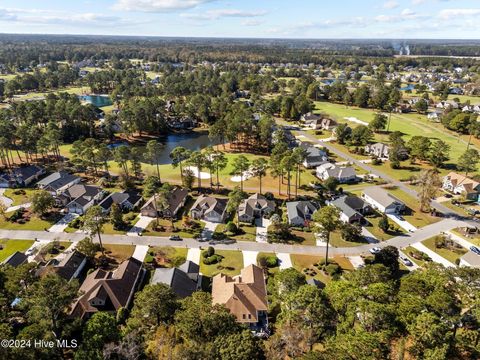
x: 140, y: 252
x: 193, y: 254
x: 209, y: 229
x: 262, y: 226
x: 402, y: 223
x: 357, y: 261
x: 140, y: 225
x: 62, y: 224
x: 249, y: 257
x: 285, y: 261
x: 5, y: 200
x: 371, y: 239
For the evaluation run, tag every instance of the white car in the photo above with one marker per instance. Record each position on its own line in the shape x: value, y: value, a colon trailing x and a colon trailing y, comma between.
x: 375, y: 250
x: 406, y: 261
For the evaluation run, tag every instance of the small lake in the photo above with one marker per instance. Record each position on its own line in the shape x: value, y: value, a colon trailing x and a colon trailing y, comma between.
x: 408, y: 87
x: 96, y: 100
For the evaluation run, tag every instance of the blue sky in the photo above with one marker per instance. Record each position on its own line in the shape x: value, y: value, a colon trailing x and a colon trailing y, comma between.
x: 246, y: 18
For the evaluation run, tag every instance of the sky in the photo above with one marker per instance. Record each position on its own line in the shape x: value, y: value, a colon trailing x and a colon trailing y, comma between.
x: 402, y: 19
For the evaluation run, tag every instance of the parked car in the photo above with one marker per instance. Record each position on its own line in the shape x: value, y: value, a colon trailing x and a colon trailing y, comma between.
x: 406, y: 261
x: 475, y: 249
x: 175, y: 238
x: 375, y: 250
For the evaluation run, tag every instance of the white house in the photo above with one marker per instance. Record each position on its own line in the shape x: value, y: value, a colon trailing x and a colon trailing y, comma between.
x: 382, y: 200
x: 460, y: 184
x: 342, y: 174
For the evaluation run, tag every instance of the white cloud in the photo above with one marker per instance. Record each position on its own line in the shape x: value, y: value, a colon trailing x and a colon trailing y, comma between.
x: 456, y: 13
x: 418, y: 2
x: 221, y: 13
x: 252, y: 22
x: 405, y: 14
x: 158, y: 5
x: 391, y: 4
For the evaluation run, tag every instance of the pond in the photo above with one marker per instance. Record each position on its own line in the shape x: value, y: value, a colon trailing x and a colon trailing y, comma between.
x: 96, y: 100
x: 408, y: 87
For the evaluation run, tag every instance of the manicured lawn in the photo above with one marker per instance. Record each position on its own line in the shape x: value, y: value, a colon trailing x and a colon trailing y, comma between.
x: 308, y: 237
x: 268, y: 254
x: 250, y: 232
x: 34, y: 223
x: 11, y: 246
x: 473, y: 238
x: 301, y: 262
x: 231, y: 264
x: 450, y: 255
x: 377, y: 232
x: 62, y: 246
x: 19, y: 196
x: 337, y: 241
x: 181, y: 230
x: 167, y: 256
x: 118, y: 252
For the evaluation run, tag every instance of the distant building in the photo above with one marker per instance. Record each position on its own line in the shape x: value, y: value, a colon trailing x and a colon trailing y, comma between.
x: 57, y: 182
x: 21, y: 176
x: 245, y: 296
x: 314, y: 156
x: 379, y: 150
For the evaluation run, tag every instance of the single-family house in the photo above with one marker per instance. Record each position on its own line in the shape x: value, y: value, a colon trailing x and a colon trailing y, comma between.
x: 328, y: 124
x: 176, y: 199
x: 184, y: 280
x: 381, y: 200
x: 435, y: 115
x: 209, y: 208
x: 352, y: 208
x: 379, y: 150
x: 70, y: 267
x: 313, y: 156
x: 256, y: 206
x: 79, y: 198
x: 310, y: 117
x: 447, y: 104
x: 21, y: 176
x: 299, y: 213
x: 105, y: 290
x: 460, y: 184
x: 245, y: 296
x: 344, y: 174
x: 57, y: 182
x: 126, y: 200
x: 16, y: 259
x: 470, y: 259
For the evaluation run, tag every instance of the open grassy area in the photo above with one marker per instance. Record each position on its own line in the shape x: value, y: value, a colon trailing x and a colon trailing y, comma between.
x: 308, y: 237
x: 410, y: 249
x: 377, y: 232
x: 301, y: 262
x: 35, y: 223
x: 166, y: 256
x: 180, y: 230
x: 450, y: 254
x: 11, y: 246
x: 19, y: 196
x: 231, y: 264
x: 337, y: 241
x: 249, y: 232
x: 118, y: 252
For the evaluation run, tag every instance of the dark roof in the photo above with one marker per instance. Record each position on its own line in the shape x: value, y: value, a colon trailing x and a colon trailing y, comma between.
x: 57, y: 180
x: 175, y: 198
x: 183, y: 280
x: 132, y: 196
x: 70, y: 264
x: 343, y: 204
x: 25, y: 172
x: 16, y: 259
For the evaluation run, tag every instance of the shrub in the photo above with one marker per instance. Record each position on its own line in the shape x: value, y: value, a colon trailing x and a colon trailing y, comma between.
x: 332, y: 269
x: 210, y: 251
x: 214, y: 259
x: 271, y: 261
x: 269, y: 196
x: 218, y: 235
x: 231, y: 227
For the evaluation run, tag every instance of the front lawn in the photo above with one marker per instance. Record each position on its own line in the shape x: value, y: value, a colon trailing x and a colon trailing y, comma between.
x: 264, y: 255
x: 33, y: 223
x: 117, y: 253
x: 181, y: 229
x: 11, y: 246
x: 247, y: 232
x: 54, y: 248
x: 19, y: 196
x: 410, y: 251
x: 473, y: 238
x: 305, y: 238
x: 451, y: 253
x: 308, y: 265
x: 377, y: 232
x: 231, y: 264
x: 166, y: 256
x: 337, y: 241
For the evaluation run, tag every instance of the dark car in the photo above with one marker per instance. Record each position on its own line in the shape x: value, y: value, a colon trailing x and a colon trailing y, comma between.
x: 475, y: 249
x: 175, y: 238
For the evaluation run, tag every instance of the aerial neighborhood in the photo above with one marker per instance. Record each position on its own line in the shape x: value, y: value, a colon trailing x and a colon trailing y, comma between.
x: 211, y: 199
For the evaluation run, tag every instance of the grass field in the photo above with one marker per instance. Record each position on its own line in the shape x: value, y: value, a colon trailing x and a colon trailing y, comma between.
x: 11, y: 246
x: 250, y: 232
x: 231, y: 264
x: 450, y: 255
x: 169, y: 256
x: 19, y: 196
x: 168, y: 229
x: 301, y: 262
x: 337, y: 241
x: 118, y: 252
x: 34, y: 223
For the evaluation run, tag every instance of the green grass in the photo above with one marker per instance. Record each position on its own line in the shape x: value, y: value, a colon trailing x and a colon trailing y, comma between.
x: 273, y: 270
x: 118, y: 252
x: 450, y: 255
x: 301, y: 262
x: 307, y: 238
x: 410, y: 249
x: 250, y: 232
x: 11, y: 246
x: 168, y: 256
x: 473, y: 238
x: 377, y: 232
x: 18, y: 197
x: 231, y: 259
x: 181, y: 231
x: 337, y: 241
x: 62, y: 246
x: 35, y: 223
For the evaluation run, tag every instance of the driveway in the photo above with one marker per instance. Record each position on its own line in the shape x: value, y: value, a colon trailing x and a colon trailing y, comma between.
x: 285, y: 261
x: 249, y: 257
x: 357, y: 261
x: 62, y: 224
x: 402, y: 223
x: 5, y: 200
x: 262, y: 226
x: 193, y: 254
x: 209, y: 229
x: 140, y: 225
x: 371, y: 239
x: 435, y: 257
x: 140, y: 252
x: 36, y: 246
x: 16, y: 207
x: 413, y: 267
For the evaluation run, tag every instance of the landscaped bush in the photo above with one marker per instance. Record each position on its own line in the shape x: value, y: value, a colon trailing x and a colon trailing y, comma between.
x: 209, y: 252
x: 130, y: 217
x: 19, y: 192
x: 218, y: 235
x: 17, y: 214
x: 333, y: 269
x: 231, y: 227
x: 214, y: 259
x: 271, y: 261
x: 76, y: 223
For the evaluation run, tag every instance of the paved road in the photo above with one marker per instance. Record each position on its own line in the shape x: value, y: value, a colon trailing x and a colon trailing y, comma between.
x: 373, y: 170
x: 399, y: 241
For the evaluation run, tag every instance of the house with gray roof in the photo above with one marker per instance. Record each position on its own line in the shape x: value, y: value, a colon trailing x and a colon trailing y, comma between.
x: 69, y: 268
x: 381, y: 200
x: 379, y: 150
x: 21, y: 176
x: 352, y: 208
x: 299, y: 213
x: 58, y: 182
x: 470, y: 259
x: 314, y: 156
x: 344, y: 174
x: 176, y: 200
x: 256, y: 206
x: 126, y: 200
x: 16, y: 259
x: 209, y: 208
x: 79, y: 198
x: 184, y: 280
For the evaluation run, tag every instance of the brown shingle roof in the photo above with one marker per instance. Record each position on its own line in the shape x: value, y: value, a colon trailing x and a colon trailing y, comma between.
x: 243, y: 295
